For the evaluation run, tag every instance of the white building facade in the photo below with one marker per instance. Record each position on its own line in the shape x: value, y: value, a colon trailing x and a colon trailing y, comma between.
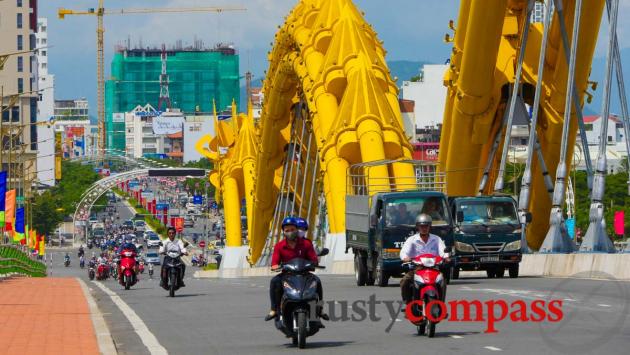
x: 45, y: 109
x: 140, y: 139
x: 429, y: 95
x: 194, y: 128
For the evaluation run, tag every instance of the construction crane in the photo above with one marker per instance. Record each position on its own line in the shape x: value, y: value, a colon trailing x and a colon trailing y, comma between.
x: 99, y: 12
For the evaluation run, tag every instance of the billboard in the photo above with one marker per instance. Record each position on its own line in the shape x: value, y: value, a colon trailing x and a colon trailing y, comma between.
x: 426, y: 151
x: 118, y: 117
x: 168, y: 124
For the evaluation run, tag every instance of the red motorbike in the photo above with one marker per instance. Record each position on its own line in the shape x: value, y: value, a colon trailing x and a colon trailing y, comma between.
x: 127, y: 269
x: 102, y: 271
x: 427, y: 308
x: 141, y: 267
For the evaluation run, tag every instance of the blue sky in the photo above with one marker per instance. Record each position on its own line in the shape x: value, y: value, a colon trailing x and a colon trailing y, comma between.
x: 411, y: 30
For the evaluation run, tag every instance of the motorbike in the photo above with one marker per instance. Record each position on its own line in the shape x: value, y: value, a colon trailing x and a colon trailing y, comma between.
x: 141, y: 267
x: 113, y: 269
x: 90, y: 244
x: 66, y: 262
x: 151, y: 271
x: 127, y: 270
x: 427, y: 287
x: 172, y: 267
x: 299, y: 299
x: 81, y: 262
x: 91, y: 273
x: 102, y: 271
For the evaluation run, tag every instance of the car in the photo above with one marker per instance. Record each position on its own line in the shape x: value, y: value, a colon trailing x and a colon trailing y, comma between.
x: 189, y: 223
x: 148, y: 233
x: 152, y: 258
x: 153, y: 241
x: 128, y: 224
x: 140, y: 226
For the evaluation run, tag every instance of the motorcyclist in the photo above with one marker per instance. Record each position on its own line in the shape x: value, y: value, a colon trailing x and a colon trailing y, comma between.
x: 172, y: 245
x: 66, y: 258
x: 126, y: 245
x: 420, y: 243
x: 292, y: 246
x: 81, y: 251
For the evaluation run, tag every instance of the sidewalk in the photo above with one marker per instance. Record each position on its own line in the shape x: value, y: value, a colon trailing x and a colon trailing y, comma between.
x: 45, y: 316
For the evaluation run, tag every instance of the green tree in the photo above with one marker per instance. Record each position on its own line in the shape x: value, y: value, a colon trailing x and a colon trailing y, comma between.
x: 46, y: 213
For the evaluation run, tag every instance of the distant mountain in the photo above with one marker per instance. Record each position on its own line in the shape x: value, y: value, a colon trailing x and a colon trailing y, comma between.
x: 403, y: 70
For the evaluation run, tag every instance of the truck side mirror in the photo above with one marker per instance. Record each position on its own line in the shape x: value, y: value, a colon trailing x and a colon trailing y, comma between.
x: 528, y: 217
x: 324, y: 252
x: 460, y: 216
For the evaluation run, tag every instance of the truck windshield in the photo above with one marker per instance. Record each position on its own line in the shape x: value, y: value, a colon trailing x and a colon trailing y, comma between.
x: 403, y: 211
x: 488, y: 213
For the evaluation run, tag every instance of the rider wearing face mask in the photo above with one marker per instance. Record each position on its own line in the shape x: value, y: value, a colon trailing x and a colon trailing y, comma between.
x: 292, y: 246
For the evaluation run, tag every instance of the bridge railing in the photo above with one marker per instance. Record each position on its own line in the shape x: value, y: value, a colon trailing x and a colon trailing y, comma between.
x: 15, y: 261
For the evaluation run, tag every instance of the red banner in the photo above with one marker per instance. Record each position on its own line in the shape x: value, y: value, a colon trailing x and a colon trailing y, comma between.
x: 426, y: 151
x: 619, y: 222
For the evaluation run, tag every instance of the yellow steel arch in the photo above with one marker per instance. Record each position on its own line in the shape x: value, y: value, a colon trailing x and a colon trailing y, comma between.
x: 483, y: 62
x: 328, y: 57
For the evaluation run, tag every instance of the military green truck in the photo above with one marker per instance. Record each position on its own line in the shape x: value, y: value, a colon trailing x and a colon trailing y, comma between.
x: 487, y: 235
x: 378, y: 222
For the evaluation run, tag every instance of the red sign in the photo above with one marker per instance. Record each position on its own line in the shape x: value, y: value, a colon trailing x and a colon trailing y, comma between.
x: 619, y: 222
x: 179, y: 224
x: 426, y: 151
x: 202, y: 244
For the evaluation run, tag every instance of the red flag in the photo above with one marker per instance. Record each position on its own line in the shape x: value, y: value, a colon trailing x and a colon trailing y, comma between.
x: 619, y: 222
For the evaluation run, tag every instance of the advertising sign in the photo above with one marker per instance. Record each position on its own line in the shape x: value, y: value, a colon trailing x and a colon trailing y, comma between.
x: 168, y: 124
x: 179, y: 224
x: 118, y: 117
x: 570, y: 224
x: 197, y: 200
x: 426, y: 151
x: 619, y: 222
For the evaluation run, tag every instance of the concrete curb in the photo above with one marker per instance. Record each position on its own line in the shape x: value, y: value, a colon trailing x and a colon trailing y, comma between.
x: 103, y: 336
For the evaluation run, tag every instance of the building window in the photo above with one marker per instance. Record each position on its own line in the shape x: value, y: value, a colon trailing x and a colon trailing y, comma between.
x: 619, y: 125
x: 610, y: 139
x: 43, y: 29
x: 19, y: 3
x: 19, y: 20
x: 20, y: 64
x: 44, y: 41
x: 588, y: 127
x: 20, y: 42
x: 15, y: 113
x: 44, y: 66
x: 43, y: 53
x: 20, y: 85
x: 5, y: 114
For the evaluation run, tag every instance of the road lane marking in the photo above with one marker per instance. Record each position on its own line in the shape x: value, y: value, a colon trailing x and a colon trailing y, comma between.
x: 148, y: 339
x: 604, y: 305
x: 492, y: 348
x: 101, y: 331
x: 456, y: 336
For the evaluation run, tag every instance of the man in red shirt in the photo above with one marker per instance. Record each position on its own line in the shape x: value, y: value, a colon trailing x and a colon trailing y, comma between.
x: 291, y: 247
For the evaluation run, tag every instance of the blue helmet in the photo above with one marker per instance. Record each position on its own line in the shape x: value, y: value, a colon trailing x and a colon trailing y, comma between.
x: 302, y: 223
x: 287, y: 221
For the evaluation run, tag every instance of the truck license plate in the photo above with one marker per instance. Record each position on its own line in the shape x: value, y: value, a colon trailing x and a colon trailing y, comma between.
x: 489, y: 258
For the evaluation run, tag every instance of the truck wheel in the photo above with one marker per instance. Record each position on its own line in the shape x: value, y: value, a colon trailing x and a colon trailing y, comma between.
x: 490, y: 272
x: 370, y: 278
x: 500, y: 272
x: 360, y: 270
x: 455, y: 273
x: 381, y: 277
x: 513, y: 271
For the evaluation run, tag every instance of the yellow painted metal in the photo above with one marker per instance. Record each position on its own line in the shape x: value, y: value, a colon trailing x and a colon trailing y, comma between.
x: 483, y: 62
x: 328, y: 56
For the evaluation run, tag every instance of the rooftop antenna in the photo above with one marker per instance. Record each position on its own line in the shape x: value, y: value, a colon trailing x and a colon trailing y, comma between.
x: 164, y: 95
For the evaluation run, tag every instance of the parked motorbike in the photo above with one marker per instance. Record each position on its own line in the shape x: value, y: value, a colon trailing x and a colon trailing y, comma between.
x: 428, y: 286
x: 299, y: 299
x: 127, y: 270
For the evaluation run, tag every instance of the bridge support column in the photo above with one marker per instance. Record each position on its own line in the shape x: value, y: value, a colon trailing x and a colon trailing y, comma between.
x: 232, y: 207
